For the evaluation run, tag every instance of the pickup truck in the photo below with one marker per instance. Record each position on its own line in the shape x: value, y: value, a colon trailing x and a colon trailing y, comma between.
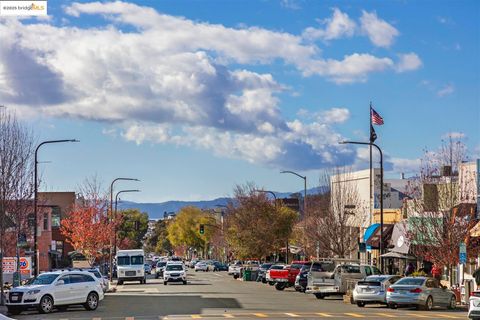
x: 284, y: 278
x: 323, y: 283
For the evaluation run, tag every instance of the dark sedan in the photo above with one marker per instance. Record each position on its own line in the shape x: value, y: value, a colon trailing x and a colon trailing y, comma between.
x: 262, y: 272
x: 218, y: 266
x: 301, y: 280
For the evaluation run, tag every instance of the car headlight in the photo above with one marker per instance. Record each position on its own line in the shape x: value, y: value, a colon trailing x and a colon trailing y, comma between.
x: 30, y: 292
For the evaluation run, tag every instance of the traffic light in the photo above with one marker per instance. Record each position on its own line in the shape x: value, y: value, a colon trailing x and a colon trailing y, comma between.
x: 202, y: 229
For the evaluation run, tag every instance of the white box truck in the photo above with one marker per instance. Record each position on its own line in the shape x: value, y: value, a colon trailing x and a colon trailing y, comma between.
x: 130, y: 266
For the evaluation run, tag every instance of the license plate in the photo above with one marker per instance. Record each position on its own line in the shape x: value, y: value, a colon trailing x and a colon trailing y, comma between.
x: 14, y: 298
x: 130, y: 273
x: 368, y: 291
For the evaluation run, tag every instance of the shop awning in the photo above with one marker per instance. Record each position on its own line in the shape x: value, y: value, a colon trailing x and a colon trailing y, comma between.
x: 399, y: 239
x: 374, y: 239
x: 370, y: 230
x: 397, y: 255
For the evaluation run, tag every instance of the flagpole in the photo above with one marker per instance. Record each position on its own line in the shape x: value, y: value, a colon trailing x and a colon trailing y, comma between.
x: 371, y: 195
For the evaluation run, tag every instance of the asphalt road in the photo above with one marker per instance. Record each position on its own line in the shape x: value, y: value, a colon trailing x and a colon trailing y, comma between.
x: 218, y: 296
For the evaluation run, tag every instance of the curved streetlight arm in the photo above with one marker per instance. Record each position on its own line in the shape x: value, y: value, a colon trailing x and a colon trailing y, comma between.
x: 35, y: 200
x: 298, y: 175
x: 268, y: 191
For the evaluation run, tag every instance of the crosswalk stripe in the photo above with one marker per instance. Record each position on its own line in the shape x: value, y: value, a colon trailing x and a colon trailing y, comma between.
x: 326, y: 315
x: 260, y: 315
x: 355, y: 315
x: 417, y: 315
x: 196, y: 316
x: 293, y: 315
x: 96, y: 318
x: 228, y: 315
x: 386, y: 315
x: 129, y: 318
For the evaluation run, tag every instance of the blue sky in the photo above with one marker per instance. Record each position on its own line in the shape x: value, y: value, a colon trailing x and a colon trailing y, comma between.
x: 193, y: 97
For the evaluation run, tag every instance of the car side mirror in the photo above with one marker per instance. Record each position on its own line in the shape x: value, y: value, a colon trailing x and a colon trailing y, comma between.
x: 60, y: 283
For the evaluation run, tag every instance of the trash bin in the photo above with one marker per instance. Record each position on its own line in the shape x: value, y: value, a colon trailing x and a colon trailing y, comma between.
x: 247, y: 275
x: 254, y: 275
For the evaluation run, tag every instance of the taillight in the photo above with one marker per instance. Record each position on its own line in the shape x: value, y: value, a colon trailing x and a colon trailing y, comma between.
x: 475, y: 294
x: 391, y: 290
x: 416, y: 290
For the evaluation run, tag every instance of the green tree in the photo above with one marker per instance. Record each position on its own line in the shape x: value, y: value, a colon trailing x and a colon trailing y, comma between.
x: 132, y: 229
x: 158, y: 241
x: 257, y: 227
x: 184, y: 232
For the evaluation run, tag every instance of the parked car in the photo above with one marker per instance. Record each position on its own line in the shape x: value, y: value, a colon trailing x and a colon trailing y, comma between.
x: 56, y: 290
x: 159, y: 269
x: 337, y: 283
x: 192, y: 263
x: 201, y: 266
x: 234, y: 269
x: 174, y: 272
x: 210, y: 265
x: 373, y: 289
x: 422, y: 292
x: 95, y: 271
x: 262, y: 272
x: 301, y: 279
x: 148, y: 268
x: 273, y: 269
x: 285, y: 277
x: 474, y: 305
x: 218, y: 266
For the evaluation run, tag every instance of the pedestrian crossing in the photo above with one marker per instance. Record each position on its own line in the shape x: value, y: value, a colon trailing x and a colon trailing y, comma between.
x: 298, y: 315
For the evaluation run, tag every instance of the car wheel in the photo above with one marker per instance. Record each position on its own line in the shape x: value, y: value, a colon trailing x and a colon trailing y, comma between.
x: 264, y: 281
x: 319, y: 296
x: 165, y: 283
x: 453, y: 303
x: 92, y: 301
x: 392, y: 306
x: 156, y: 276
x: 46, y: 304
x: 428, y: 304
x: 120, y: 282
x: 14, y: 311
x: 280, y: 286
x: 185, y: 282
x: 271, y: 283
x: 361, y: 304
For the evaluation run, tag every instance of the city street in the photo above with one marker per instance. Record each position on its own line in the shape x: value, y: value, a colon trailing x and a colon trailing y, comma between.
x: 217, y: 296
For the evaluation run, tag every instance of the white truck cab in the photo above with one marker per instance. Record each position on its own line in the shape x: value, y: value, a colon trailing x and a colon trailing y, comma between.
x: 130, y: 266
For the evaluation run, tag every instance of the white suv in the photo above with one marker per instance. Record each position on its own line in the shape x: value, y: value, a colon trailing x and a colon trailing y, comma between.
x: 56, y: 290
x: 174, y: 272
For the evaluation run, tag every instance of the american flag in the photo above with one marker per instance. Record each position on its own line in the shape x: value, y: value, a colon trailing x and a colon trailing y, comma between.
x: 376, y: 118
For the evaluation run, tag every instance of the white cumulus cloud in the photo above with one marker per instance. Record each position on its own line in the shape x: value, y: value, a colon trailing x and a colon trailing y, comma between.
x: 380, y: 32
x: 446, y: 90
x: 338, y: 26
x: 408, y: 62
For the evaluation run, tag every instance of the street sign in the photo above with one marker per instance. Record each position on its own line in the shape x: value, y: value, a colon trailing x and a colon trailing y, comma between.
x: 463, y: 253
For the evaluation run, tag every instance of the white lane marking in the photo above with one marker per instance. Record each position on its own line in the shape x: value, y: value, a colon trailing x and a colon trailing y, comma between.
x: 293, y: 315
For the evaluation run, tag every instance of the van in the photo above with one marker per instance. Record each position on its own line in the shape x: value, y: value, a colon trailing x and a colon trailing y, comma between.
x: 130, y: 266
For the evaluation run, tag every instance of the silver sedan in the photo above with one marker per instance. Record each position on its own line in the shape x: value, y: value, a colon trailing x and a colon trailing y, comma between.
x: 422, y: 292
x: 373, y: 289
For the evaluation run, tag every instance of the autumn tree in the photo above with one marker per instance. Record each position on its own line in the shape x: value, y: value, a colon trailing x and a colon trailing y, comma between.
x: 256, y: 226
x: 333, y: 229
x: 16, y: 181
x: 133, y: 226
x: 183, y: 232
x: 437, y: 221
x: 87, y: 226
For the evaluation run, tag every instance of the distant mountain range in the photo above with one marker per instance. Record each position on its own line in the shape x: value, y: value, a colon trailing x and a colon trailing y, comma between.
x: 156, y: 210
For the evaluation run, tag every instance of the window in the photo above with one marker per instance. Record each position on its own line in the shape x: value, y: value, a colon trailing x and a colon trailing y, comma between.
x: 368, y: 271
x: 375, y: 270
x: 411, y: 281
x: 45, y: 222
x: 87, y: 278
x: 66, y: 279
x: 77, y: 278
x: 323, y: 267
x: 137, y: 260
x: 174, y: 267
x: 124, y: 261
x: 60, y: 247
x: 56, y: 216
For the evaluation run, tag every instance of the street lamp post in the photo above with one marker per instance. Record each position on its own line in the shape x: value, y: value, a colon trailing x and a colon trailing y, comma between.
x: 115, y: 217
x: 111, y: 213
x: 304, y: 204
x: 35, y: 200
x: 381, y: 191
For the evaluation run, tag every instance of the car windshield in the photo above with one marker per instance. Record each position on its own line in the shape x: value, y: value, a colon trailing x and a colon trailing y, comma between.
x: 44, y: 279
x: 277, y: 267
x: 410, y: 281
x: 123, y: 261
x: 296, y: 266
x: 96, y: 273
x: 323, y: 267
x: 266, y: 266
x: 376, y: 279
x: 161, y: 264
x: 351, y: 269
x: 174, y: 267
x: 137, y: 260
